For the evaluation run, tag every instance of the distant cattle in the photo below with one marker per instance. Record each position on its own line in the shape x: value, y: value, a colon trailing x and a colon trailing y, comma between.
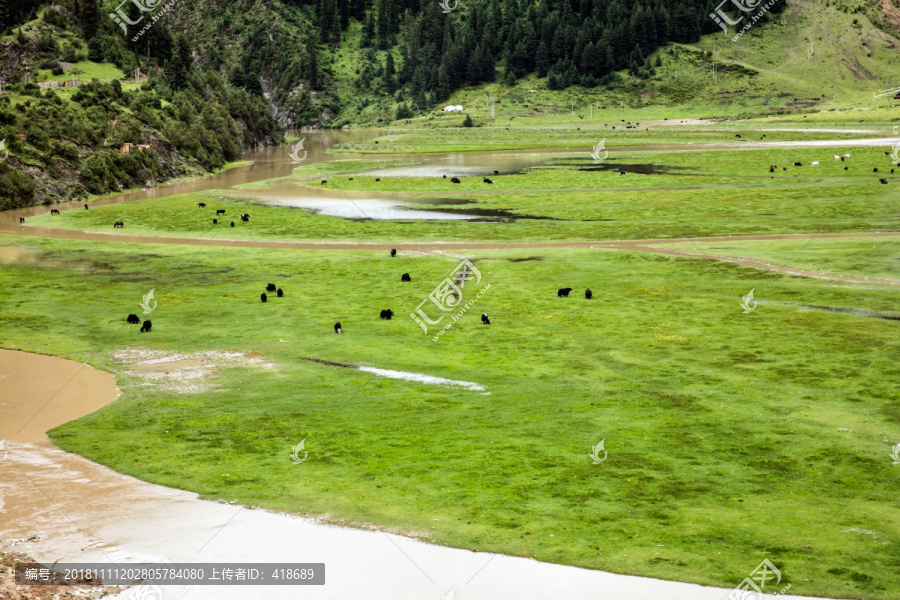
x: 405, y: 277
x: 324, y: 181
x: 588, y: 293
x: 270, y: 287
x: 85, y: 207
x: 337, y: 327
x: 378, y: 179
x: 884, y: 181
x: 484, y: 319
x: 146, y: 326
x: 445, y: 176
x: 623, y: 172
x: 486, y: 180
x: 798, y: 164
x: 771, y: 169
x: 837, y: 157
x: 232, y: 223
x: 846, y: 168
x: 842, y: 159
x: 220, y: 211
x: 815, y: 163
x: 21, y: 220
x: 875, y: 170
x: 263, y: 297
x: 245, y: 217
x: 563, y: 292
x: 279, y: 293
x: 496, y: 172
x: 455, y: 180
x: 54, y: 211
x: 118, y: 225
x: 215, y: 221
x: 847, y: 155
x: 393, y: 252
x: 133, y: 319
x: 201, y: 204
x: 737, y: 135
x: 349, y: 179
x: 387, y: 314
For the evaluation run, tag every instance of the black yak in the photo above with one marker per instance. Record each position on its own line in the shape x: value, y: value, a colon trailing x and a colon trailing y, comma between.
x: 496, y: 172
x: 393, y: 252
x: 21, y: 220
x: 133, y: 319
x: 54, y: 211
x: 884, y: 181
x: 245, y: 217
x: 263, y: 297
x: 118, y: 225
x: 220, y: 211
x: 455, y: 180
x: 215, y: 221
x: 563, y: 292
x: 484, y: 319
x: 387, y: 314
x: 270, y: 287
x: 405, y: 277
x: 279, y: 293
x: 324, y: 181
x: 232, y: 223
x: 146, y: 326
x: 798, y: 164
x: 486, y: 180
x: 875, y: 170
x: 201, y: 204
x: 337, y: 327
x: 377, y: 178
x: 588, y: 293
x: 85, y: 207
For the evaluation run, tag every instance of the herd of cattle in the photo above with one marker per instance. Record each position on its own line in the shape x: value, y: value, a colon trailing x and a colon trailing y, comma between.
x: 837, y: 157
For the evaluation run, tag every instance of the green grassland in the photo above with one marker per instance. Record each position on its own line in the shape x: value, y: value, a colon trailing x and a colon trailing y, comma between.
x: 711, y: 193
x: 732, y: 437
x: 871, y: 257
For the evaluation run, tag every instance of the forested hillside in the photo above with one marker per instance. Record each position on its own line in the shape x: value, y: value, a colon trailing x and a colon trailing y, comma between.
x: 69, y: 142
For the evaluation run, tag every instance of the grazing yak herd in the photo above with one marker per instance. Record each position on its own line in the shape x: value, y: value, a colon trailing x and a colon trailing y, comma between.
x: 386, y: 314
x: 837, y: 157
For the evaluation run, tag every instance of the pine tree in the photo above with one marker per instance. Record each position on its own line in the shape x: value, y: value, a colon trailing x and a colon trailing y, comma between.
x: 542, y: 60
x: 90, y: 18
x: 389, y: 72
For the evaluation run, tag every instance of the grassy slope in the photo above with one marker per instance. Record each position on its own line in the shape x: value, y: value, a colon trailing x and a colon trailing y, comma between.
x: 727, y: 442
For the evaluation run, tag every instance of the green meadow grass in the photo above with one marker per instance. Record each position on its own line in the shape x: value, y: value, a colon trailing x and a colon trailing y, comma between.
x: 726, y: 192
x: 871, y: 257
x: 731, y: 437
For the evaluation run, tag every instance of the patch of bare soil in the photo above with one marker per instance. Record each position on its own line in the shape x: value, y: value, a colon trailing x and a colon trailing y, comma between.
x: 10, y: 591
x: 891, y: 12
x: 184, y: 372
